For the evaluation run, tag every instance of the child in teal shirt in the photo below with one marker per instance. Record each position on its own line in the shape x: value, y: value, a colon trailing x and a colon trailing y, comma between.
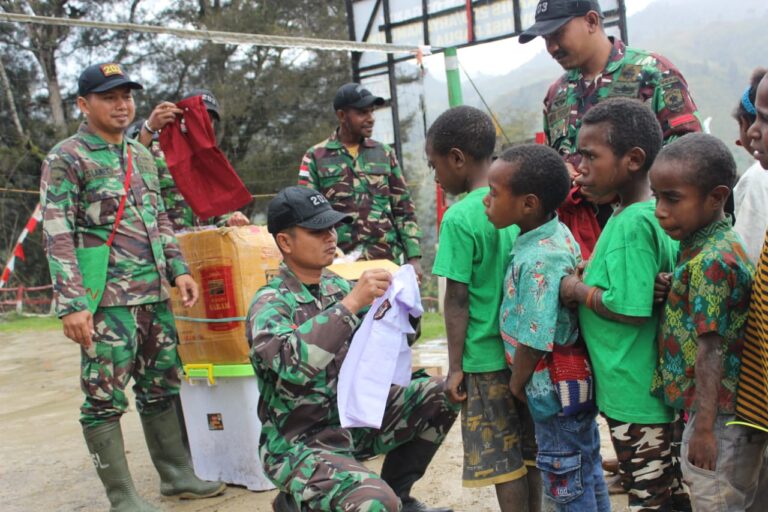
x: 527, y: 183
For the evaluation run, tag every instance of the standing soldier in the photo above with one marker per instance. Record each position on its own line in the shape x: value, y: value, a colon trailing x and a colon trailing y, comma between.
x: 299, y: 327
x: 361, y: 177
x: 112, y: 257
x: 598, y: 67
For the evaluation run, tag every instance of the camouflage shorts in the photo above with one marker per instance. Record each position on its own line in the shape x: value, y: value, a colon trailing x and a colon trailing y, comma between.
x: 497, y: 431
x: 649, y: 465
x: 130, y: 341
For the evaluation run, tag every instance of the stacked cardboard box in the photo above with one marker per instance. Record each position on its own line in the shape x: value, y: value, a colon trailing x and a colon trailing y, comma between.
x: 229, y: 266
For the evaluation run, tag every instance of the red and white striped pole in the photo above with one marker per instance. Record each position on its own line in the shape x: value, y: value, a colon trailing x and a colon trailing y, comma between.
x: 18, y: 250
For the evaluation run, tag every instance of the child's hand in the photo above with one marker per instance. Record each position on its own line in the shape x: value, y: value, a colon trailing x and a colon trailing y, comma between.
x: 518, y: 392
x: 661, y: 287
x: 580, y: 269
x: 702, y: 449
x: 568, y: 290
x: 454, y: 387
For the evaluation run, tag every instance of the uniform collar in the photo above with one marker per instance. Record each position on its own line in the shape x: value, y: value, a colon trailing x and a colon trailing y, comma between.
x: 614, y: 60
x: 301, y: 294
x: 699, y: 238
x: 94, y: 142
x: 531, y: 238
x: 333, y: 141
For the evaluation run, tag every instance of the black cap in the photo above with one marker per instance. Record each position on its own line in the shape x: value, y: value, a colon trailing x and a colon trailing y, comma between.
x: 354, y: 95
x: 102, y: 78
x: 553, y: 14
x: 210, y: 101
x: 304, y: 207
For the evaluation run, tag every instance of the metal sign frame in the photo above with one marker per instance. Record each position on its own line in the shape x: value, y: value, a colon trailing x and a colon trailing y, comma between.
x: 380, y: 23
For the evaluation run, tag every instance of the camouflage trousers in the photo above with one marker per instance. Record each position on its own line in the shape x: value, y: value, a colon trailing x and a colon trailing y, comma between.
x: 321, y: 476
x: 130, y: 341
x: 649, y: 465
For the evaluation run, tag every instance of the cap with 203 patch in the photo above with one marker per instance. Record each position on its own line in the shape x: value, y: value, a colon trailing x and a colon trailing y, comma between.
x: 553, y: 14
x: 104, y: 77
x: 303, y: 207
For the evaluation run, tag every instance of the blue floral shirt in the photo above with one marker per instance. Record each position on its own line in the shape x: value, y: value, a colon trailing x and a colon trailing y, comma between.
x: 531, y: 311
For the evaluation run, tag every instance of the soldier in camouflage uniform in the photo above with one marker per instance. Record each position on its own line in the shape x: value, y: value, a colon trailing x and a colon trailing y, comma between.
x: 361, y: 177
x: 600, y: 67
x: 130, y: 332
x: 145, y: 131
x: 299, y: 327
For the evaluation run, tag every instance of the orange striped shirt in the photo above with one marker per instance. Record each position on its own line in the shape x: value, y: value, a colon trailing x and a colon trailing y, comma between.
x: 753, y: 381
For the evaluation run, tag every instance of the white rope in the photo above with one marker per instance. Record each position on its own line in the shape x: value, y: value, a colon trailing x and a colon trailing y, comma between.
x: 223, y: 37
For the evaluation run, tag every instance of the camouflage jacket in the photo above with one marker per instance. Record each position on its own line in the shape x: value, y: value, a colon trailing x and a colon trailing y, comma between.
x: 629, y: 73
x: 82, y: 183
x: 179, y: 212
x: 298, y: 343
x: 372, y: 189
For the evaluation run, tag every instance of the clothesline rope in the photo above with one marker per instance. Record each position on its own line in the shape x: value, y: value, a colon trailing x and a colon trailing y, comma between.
x: 220, y: 37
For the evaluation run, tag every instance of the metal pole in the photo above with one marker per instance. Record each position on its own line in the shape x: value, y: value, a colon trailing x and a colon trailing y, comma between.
x: 455, y: 97
x: 393, y: 86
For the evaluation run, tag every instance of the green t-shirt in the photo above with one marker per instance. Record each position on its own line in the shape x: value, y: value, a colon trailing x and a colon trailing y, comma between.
x: 475, y: 253
x: 631, y: 250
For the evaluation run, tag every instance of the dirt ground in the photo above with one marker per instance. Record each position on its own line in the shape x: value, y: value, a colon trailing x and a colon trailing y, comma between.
x: 44, y: 464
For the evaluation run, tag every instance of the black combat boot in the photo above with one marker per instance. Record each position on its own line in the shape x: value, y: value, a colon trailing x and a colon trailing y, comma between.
x: 403, y: 466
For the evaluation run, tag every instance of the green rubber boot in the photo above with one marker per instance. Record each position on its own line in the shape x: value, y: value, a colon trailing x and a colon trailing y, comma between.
x: 177, y: 478
x: 105, y: 444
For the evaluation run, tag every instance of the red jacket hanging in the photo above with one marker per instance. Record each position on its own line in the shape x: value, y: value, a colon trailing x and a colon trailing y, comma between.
x: 203, y: 174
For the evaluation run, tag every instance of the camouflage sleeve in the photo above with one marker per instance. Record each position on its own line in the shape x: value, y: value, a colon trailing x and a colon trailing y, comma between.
x: 403, y: 211
x: 672, y: 102
x: 59, y: 190
x: 296, y: 353
x: 308, y: 171
x: 175, y: 263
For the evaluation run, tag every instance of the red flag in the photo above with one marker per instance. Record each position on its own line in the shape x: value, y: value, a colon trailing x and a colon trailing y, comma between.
x: 201, y: 171
x: 19, y: 252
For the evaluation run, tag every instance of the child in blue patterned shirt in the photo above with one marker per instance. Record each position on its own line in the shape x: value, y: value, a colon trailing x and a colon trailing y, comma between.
x: 527, y: 183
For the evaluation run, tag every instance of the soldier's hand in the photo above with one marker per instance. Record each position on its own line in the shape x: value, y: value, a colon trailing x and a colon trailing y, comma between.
x: 238, y: 219
x: 188, y: 289
x: 78, y: 327
x: 372, y: 284
x: 162, y: 115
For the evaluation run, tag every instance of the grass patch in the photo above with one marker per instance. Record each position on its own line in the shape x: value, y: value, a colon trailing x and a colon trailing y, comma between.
x: 432, y: 326
x: 20, y: 323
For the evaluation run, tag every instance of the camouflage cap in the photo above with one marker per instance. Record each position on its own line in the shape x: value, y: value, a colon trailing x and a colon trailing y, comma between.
x: 102, y: 78
x: 304, y: 207
x: 553, y: 14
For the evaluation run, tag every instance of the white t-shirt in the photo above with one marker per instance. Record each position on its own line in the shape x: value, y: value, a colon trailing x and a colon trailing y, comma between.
x: 750, y: 197
x: 379, y: 355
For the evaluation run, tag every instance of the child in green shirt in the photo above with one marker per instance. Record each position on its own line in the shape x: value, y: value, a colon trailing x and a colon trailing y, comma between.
x: 618, y: 141
x: 497, y: 431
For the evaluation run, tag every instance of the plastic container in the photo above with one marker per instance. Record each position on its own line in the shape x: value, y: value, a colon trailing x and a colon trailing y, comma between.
x: 220, y: 409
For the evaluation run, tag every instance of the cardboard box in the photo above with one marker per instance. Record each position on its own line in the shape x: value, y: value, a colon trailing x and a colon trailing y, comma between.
x: 353, y: 270
x: 229, y: 265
